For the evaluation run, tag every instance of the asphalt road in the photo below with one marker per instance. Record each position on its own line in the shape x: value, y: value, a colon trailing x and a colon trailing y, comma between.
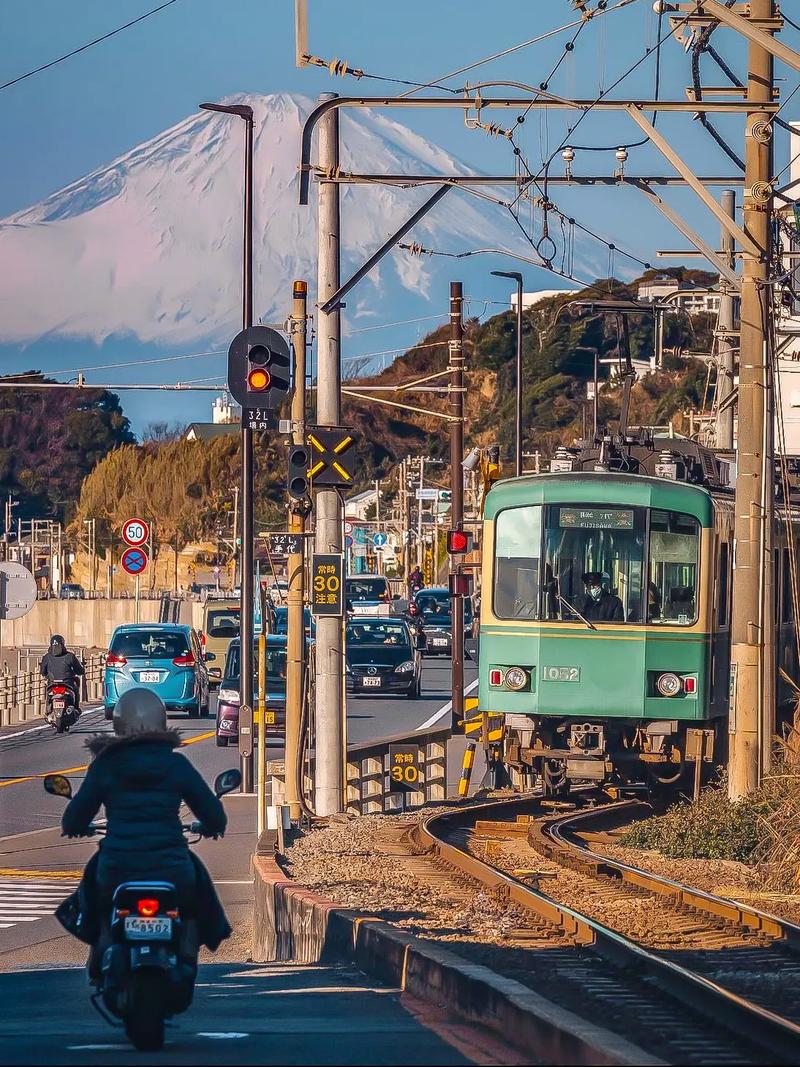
x: 243, y: 1013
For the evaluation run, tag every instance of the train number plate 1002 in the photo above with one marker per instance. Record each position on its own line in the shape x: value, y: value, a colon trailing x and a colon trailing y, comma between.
x: 561, y: 674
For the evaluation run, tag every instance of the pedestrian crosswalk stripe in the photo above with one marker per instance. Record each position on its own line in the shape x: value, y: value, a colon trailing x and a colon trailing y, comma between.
x: 28, y: 901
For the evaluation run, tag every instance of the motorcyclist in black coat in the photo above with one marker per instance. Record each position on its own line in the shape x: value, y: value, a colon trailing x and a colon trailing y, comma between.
x: 60, y: 665
x: 141, y: 780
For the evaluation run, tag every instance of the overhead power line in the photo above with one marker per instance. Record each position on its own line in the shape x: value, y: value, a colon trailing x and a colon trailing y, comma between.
x: 89, y: 44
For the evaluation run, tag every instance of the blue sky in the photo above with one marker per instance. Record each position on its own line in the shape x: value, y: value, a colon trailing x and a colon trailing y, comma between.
x: 62, y: 123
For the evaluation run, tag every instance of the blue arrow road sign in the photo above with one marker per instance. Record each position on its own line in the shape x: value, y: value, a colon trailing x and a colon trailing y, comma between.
x: 379, y: 539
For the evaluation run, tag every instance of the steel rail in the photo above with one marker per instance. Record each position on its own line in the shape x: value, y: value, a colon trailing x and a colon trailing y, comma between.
x: 561, y: 830
x: 779, y: 1037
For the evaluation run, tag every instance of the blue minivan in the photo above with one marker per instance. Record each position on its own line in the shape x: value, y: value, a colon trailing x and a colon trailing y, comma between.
x: 163, y: 657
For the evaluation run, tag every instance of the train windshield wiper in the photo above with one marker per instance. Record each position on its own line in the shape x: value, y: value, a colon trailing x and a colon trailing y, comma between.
x: 575, y: 611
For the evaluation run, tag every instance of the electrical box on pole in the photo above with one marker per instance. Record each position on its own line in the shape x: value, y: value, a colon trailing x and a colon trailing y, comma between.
x: 259, y: 374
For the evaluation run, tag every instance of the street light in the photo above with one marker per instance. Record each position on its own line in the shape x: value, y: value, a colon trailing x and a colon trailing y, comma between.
x: 243, y: 111
x: 516, y: 277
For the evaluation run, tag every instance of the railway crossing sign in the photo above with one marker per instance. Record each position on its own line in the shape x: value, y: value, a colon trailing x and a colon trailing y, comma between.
x: 326, y: 584
x: 332, y: 455
x: 135, y: 533
x: 134, y: 561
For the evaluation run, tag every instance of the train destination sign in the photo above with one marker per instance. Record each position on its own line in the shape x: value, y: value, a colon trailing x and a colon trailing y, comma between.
x: 595, y: 518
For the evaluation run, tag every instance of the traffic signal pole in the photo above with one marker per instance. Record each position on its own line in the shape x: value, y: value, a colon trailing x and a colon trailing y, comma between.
x: 329, y: 703
x: 750, y: 716
x: 456, y: 367
x: 295, y: 641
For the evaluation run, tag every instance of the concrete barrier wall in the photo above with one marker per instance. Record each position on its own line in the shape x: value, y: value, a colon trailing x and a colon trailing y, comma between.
x: 292, y: 923
x: 89, y: 623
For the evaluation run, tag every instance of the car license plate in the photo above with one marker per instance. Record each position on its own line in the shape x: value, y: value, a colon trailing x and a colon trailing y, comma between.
x: 440, y: 641
x: 363, y: 609
x: 149, y: 676
x: 371, y: 681
x: 156, y: 929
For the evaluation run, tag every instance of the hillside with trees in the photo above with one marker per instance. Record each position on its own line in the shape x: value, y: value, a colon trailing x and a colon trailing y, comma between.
x: 50, y: 439
x: 186, y: 487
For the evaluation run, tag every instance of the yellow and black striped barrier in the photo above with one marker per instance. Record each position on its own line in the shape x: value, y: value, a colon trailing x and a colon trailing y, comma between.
x: 466, y: 768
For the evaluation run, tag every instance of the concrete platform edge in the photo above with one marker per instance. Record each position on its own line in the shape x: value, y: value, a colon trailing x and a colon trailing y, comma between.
x: 295, y: 924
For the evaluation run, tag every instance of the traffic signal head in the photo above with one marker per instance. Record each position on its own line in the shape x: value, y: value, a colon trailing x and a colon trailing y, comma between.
x: 459, y: 541
x: 259, y: 368
x: 297, y: 471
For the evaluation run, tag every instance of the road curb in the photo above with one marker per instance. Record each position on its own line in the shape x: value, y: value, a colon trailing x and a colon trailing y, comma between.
x: 295, y: 924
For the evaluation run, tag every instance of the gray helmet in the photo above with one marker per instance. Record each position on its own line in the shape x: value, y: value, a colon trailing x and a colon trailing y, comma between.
x: 139, y: 711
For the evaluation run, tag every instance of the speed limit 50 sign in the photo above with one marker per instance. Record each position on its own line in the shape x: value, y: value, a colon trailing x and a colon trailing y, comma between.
x: 326, y: 584
x: 135, y: 533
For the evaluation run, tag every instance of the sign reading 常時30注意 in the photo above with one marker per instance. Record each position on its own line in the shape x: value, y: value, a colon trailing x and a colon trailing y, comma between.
x: 326, y: 584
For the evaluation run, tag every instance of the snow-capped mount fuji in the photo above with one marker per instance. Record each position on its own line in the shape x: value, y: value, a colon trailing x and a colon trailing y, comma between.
x: 150, y: 245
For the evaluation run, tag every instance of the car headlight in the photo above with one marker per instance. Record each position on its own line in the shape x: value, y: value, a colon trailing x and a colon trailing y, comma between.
x: 404, y: 668
x: 229, y: 696
x: 516, y: 678
x: 669, y: 684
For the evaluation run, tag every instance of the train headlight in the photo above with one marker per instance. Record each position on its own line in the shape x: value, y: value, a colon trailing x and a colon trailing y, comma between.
x: 516, y: 678
x: 669, y: 684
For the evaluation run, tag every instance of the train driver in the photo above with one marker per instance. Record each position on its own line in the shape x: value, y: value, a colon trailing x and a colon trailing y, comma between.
x: 598, y: 604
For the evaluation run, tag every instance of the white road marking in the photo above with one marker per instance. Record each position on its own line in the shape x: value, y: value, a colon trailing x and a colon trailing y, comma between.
x: 29, y: 901
x: 440, y: 714
x: 87, y: 712
x: 232, y: 1036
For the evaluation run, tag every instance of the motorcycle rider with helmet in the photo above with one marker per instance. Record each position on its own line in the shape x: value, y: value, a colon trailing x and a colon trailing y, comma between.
x: 60, y: 665
x: 141, y: 780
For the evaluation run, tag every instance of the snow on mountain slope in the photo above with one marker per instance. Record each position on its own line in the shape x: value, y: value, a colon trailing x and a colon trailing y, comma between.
x: 150, y: 245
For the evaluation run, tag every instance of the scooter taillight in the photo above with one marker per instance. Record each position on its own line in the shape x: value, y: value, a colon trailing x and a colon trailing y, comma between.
x: 59, y: 689
x: 147, y: 907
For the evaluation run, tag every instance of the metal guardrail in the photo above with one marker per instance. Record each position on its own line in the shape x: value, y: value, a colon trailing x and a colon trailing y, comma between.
x: 23, y: 695
x: 370, y: 788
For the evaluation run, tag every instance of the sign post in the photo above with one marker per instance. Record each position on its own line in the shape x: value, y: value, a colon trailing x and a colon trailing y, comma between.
x: 134, y: 561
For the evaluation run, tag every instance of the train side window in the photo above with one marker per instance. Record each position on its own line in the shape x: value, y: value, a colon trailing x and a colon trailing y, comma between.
x: 517, y: 562
x: 674, y: 553
x: 723, y: 584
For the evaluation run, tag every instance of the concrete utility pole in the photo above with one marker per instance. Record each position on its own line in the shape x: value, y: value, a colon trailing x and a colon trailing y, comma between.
x: 330, y: 739
x: 456, y: 366
x: 405, y: 520
x: 296, y: 640
x: 752, y: 663
x: 726, y: 340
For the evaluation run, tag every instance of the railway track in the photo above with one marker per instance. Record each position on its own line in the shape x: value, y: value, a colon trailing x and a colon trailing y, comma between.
x: 727, y: 995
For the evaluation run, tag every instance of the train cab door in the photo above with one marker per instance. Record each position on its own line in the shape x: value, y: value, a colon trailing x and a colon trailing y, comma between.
x: 721, y: 631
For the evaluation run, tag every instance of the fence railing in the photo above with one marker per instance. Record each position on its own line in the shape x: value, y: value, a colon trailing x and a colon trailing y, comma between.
x: 371, y: 785
x: 23, y: 695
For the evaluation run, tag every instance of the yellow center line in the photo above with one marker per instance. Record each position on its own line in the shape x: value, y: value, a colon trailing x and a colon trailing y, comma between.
x: 76, y: 770
x: 29, y: 872
x: 44, y: 774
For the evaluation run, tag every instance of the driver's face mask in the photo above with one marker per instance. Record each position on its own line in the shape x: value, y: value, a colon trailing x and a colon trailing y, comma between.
x: 595, y: 592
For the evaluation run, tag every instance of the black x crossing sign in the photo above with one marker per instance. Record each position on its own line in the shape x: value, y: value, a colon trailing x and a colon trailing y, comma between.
x: 333, y: 455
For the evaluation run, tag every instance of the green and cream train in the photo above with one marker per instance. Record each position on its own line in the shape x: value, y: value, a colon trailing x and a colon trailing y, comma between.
x: 609, y: 695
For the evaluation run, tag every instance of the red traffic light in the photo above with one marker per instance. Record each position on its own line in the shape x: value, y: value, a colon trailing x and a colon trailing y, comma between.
x: 459, y: 541
x: 258, y: 379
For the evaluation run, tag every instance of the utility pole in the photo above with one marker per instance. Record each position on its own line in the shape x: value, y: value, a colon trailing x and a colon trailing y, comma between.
x: 378, y: 555
x: 456, y: 367
x: 405, y: 520
x: 330, y: 710
x: 420, y: 545
x: 515, y: 276
x: 752, y: 663
x: 726, y: 345
x: 296, y: 640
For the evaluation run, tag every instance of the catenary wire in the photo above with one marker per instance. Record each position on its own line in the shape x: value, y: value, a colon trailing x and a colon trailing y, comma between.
x: 84, y: 47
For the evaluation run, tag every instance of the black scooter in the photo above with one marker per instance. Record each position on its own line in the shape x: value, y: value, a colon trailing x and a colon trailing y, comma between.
x: 144, y: 979
x: 62, y: 706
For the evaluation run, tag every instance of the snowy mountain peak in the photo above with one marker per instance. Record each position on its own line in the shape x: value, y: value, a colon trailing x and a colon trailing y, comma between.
x: 150, y: 245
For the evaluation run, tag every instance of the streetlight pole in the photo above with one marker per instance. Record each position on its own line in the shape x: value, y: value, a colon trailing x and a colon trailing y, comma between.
x: 246, y: 603
x: 517, y: 277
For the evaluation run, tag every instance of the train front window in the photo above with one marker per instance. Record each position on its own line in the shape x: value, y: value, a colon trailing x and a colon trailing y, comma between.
x: 593, y: 563
x: 672, y: 585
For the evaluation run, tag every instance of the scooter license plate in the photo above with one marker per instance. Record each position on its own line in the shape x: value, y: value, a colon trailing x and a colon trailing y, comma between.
x: 157, y: 929
x: 59, y: 705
